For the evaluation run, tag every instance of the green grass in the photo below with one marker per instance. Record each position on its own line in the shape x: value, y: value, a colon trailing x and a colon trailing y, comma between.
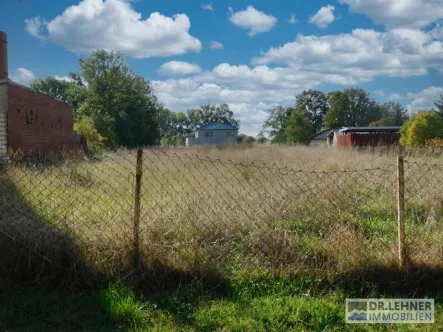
x: 246, y: 303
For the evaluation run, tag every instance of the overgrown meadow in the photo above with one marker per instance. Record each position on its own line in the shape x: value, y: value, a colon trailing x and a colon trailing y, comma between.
x: 280, y: 210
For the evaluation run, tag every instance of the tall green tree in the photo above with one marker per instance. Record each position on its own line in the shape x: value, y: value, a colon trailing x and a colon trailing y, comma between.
x: 72, y: 91
x: 439, y: 104
x: 209, y: 113
x: 120, y: 103
x: 275, y: 125
x: 52, y: 87
x: 315, y: 103
x: 299, y: 128
x: 393, y: 114
x: 352, y: 108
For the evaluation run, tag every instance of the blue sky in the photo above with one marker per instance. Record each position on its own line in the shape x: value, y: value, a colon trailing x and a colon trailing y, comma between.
x: 251, y: 54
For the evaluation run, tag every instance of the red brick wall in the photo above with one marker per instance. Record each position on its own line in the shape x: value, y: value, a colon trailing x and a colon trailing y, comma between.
x: 37, y: 122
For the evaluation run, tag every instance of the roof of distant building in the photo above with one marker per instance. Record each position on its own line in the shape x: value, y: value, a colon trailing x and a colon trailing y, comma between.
x: 216, y: 126
x: 390, y: 129
x: 323, y: 135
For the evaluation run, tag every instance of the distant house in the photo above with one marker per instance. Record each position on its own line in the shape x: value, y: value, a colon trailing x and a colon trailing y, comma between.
x: 327, y: 137
x: 213, y: 133
x: 368, y: 136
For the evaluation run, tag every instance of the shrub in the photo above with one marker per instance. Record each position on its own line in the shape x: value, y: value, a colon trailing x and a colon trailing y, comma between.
x: 93, y: 138
x: 420, y: 128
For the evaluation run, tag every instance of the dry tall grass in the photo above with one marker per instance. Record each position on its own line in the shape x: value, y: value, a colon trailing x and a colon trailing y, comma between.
x: 287, y: 209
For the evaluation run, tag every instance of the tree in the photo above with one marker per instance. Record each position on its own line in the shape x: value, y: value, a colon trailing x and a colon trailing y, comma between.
x: 210, y: 113
x: 336, y: 115
x: 352, y: 108
x: 439, y: 104
x: 275, y: 124
x: 73, y: 91
x: 249, y: 139
x: 52, y: 87
x: 393, y: 114
x: 299, y: 128
x: 378, y: 123
x: 315, y: 103
x: 120, y: 104
x: 420, y: 128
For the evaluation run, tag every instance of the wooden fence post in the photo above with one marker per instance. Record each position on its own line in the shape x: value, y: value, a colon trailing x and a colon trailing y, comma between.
x: 401, y: 211
x: 136, y: 229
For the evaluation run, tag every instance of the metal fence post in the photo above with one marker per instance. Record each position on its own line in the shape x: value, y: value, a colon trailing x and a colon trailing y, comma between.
x: 401, y: 211
x: 136, y: 229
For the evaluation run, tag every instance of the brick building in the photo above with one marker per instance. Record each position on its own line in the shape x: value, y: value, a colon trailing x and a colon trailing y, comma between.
x: 30, y: 121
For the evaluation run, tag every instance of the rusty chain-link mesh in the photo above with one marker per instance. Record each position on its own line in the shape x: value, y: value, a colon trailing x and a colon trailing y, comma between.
x: 200, y: 213
x: 424, y: 212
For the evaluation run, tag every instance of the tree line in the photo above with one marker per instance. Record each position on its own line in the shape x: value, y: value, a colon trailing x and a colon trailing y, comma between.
x: 315, y: 111
x: 115, y: 107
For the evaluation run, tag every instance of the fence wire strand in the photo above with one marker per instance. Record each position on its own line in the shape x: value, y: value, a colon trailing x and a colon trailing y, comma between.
x: 199, y: 213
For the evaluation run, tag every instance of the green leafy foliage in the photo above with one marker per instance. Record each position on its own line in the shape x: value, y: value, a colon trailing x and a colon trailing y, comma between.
x: 439, y: 104
x: 420, y: 128
x: 274, y: 126
x: 250, y: 139
x: 315, y: 104
x: 393, y: 114
x: 93, y: 138
x: 174, y: 127
x: 351, y: 108
x: 299, y: 128
x: 119, y: 104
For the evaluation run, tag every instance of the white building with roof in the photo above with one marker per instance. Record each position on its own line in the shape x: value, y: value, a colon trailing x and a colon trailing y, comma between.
x: 213, y: 133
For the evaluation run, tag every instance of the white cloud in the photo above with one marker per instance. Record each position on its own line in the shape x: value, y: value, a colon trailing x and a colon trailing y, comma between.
x: 23, y: 76
x: 253, y: 20
x: 395, y: 96
x: 115, y: 25
x: 361, y: 55
x: 346, y: 59
x: 292, y: 19
x: 398, y: 13
x: 380, y: 93
x: 178, y: 68
x: 324, y: 17
x: 249, y: 91
x: 208, y: 6
x: 63, y: 78
x: 215, y: 45
x: 424, y: 100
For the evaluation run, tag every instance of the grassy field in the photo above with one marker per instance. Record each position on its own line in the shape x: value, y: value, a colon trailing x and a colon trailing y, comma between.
x: 271, y: 224
x: 291, y: 209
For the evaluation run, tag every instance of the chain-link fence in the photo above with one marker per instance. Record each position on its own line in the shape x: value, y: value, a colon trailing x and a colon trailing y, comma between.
x: 123, y: 210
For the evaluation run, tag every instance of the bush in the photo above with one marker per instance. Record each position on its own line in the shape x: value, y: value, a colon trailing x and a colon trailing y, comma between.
x: 420, y: 128
x: 172, y: 141
x: 93, y: 138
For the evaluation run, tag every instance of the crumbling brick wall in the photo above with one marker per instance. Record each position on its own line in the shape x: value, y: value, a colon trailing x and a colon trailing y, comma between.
x: 38, y: 122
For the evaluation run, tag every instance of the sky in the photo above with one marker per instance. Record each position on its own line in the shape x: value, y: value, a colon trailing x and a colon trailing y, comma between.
x: 252, y: 55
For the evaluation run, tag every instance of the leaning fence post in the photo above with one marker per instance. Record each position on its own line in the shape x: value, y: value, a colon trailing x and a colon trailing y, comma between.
x: 401, y: 211
x: 136, y: 229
